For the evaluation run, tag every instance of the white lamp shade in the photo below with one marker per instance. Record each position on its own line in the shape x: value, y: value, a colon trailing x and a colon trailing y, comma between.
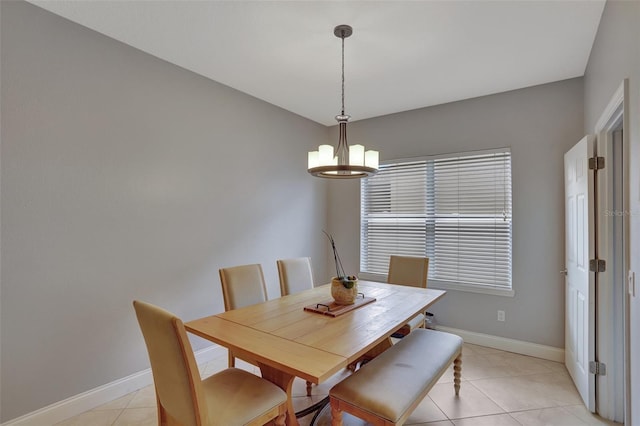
x: 356, y: 155
x: 325, y: 155
x: 313, y: 159
x: 371, y: 159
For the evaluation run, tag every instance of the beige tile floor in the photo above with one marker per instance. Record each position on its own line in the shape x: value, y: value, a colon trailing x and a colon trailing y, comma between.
x: 498, y: 389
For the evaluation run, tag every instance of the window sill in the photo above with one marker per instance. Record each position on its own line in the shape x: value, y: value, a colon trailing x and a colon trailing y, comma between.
x: 442, y: 285
x: 493, y: 291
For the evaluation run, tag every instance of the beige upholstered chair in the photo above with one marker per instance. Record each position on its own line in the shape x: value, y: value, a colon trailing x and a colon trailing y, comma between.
x: 411, y: 271
x: 295, y: 275
x: 242, y: 286
x: 231, y: 396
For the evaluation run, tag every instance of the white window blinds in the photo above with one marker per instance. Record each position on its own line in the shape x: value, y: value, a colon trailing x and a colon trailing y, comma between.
x: 454, y: 209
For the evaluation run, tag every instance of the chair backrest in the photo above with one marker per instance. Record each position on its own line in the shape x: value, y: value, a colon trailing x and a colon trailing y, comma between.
x: 174, y: 368
x: 295, y: 275
x: 242, y: 286
x: 408, y: 270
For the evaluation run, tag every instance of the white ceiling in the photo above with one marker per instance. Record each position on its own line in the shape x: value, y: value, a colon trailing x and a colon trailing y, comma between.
x: 403, y: 54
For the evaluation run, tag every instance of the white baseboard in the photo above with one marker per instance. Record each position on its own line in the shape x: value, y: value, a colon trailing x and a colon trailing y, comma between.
x: 90, y: 399
x: 510, y: 345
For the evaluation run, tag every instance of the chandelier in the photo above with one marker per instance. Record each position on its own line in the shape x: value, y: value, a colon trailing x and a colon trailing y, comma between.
x: 346, y: 161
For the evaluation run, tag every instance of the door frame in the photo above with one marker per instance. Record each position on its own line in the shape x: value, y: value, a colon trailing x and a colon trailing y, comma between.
x: 613, y: 245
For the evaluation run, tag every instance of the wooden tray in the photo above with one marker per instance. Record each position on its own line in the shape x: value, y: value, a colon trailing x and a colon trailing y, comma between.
x: 332, y: 309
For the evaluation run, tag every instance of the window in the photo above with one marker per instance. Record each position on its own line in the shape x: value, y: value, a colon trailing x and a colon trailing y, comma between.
x: 454, y: 209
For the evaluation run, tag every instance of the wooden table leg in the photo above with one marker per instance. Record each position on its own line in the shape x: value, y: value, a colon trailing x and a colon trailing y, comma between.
x: 381, y: 347
x: 285, y: 382
x: 377, y: 350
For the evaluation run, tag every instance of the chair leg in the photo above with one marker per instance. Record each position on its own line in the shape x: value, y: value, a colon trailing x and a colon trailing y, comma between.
x: 280, y: 420
x: 457, y: 368
x: 164, y: 418
x: 309, y: 388
x: 336, y: 416
x: 423, y: 324
x: 232, y: 360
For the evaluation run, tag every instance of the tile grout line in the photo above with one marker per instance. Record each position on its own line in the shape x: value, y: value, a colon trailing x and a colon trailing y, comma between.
x: 582, y: 422
x: 490, y: 399
x: 119, y: 415
x: 126, y: 406
x: 520, y: 411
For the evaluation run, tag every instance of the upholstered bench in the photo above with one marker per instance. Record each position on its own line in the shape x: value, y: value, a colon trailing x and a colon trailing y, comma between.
x: 386, y: 390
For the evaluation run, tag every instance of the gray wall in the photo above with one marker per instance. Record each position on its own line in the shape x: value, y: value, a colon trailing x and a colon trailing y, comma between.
x: 539, y: 124
x: 614, y: 57
x: 126, y: 177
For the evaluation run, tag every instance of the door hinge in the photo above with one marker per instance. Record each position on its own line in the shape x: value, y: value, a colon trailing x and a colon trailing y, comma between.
x: 596, y: 163
x: 597, y: 368
x: 597, y: 265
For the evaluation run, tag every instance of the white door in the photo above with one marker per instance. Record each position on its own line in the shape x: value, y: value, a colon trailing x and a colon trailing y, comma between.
x: 579, y: 281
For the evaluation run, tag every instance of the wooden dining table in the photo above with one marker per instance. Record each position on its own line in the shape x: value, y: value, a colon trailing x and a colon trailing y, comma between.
x: 286, y: 341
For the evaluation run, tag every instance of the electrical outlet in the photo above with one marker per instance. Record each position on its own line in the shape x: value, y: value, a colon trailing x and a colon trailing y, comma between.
x: 501, y: 316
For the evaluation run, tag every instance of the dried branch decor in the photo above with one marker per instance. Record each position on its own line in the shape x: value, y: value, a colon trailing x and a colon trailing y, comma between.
x: 348, y: 281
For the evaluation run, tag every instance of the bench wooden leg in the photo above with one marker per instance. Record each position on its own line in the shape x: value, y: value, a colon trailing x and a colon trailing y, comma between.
x: 457, y: 368
x: 336, y: 415
x: 309, y: 388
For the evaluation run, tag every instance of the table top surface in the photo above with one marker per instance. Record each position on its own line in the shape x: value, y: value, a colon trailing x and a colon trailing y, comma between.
x: 281, y: 334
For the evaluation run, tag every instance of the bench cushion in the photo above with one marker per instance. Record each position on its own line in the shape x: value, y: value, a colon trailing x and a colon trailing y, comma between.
x: 389, y: 384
